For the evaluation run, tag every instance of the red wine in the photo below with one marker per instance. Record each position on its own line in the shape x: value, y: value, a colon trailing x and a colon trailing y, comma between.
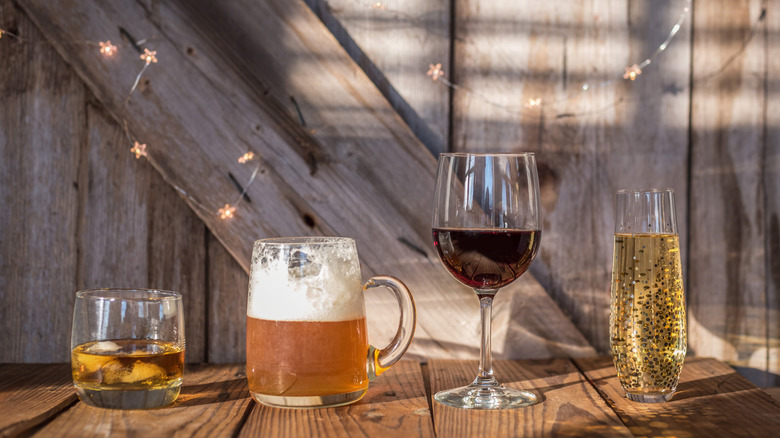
x: 486, y: 258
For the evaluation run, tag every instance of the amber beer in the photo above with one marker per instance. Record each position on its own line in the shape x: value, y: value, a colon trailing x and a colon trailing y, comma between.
x: 306, y: 358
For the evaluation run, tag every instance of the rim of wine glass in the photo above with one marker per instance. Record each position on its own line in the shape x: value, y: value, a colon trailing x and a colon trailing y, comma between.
x: 486, y: 154
x: 307, y: 240
x: 647, y: 190
x: 117, y: 293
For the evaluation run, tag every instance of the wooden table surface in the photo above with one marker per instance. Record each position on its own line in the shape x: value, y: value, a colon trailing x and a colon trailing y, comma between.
x: 579, y: 397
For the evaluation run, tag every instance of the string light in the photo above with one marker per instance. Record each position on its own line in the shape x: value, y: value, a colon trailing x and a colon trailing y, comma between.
x: 435, y: 71
x: 249, y: 156
x: 632, y: 72
x: 10, y: 34
x: 108, y: 49
x: 226, y: 212
x: 139, y: 150
x: 149, y: 56
x: 534, y: 102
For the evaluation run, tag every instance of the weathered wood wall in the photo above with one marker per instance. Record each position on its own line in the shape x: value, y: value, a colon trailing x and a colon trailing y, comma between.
x: 317, y: 177
x: 733, y: 268
x: 709, y: 131
x: 83, y: 213
x: 699, y: 119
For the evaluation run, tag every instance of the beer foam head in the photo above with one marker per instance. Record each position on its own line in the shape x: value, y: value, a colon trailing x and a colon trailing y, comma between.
x: 305, y: 279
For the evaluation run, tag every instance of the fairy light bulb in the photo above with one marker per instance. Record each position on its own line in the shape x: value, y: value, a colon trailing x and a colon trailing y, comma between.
x: 149, y: 56
x: 107, y: 49
x: 435, y: 71
x: 139, y: 150
x: 249, y: 156
x: 632, y: 72
x: 226, y: 212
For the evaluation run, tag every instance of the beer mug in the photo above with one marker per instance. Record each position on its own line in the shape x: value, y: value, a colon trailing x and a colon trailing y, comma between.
x: 306, y: 340
x: 647, y: 318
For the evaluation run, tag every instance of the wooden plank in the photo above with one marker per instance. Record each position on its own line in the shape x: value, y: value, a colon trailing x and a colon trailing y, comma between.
x: 569, y: 406
x: 728, y: 306
x: 621, y: 135
x: 213, y: 401
x: 41, y: 127
x: 228, y: 285
x: 394, y: 42
x: 177, y: 259
x: 136, y: 231
x: 711, y: 400
x: 395, y: 405
x: 328, y: 177
x: 774, y: 392
x: 31, y: 394
x: 114, y: 228
x: 771, y: 182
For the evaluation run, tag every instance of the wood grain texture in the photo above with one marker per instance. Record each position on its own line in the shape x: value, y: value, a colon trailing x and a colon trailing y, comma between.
x: 395, y: 405
x: 589, y: 144
x: 774, y: 392
x: 353, y: 170
x: 771, y: 184
x: 176, y: 256
x: 709, y: 399
x: 394, y: 44
x: 581, y: 400
x: 569, y: 405
x: 212, y: 403
x: 729, y: 310
x: 228, y: 285
x: 136, y: 232
x: 41, y: 127
x: 31, y: 394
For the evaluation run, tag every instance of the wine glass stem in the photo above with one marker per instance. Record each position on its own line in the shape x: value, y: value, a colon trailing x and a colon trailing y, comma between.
x: 485, y: 376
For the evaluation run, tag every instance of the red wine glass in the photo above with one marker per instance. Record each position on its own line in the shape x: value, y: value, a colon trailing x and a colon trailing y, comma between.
x: 486, y: 232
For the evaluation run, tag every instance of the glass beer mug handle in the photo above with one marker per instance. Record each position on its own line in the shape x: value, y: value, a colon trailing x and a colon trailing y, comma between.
x: 380, y: 360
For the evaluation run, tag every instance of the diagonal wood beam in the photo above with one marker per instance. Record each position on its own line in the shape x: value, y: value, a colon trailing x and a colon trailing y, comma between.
x: 337, y: 162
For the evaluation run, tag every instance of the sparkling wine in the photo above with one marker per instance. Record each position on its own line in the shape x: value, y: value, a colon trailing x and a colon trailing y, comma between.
x: 647, y: 323
x: 486, y: 258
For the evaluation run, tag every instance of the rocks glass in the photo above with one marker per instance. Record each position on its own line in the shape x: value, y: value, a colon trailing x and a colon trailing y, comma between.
x: 127, y: 347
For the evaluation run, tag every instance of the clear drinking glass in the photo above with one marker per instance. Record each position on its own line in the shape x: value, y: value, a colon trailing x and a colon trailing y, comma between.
x: 306, y: 340
x: 486, y: 230
x: 647, y: 318
x: 127, y: 347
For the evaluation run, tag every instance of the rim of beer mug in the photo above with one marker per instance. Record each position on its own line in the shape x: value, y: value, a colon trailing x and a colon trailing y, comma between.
x: 118, y: 293
x: 310, y: 240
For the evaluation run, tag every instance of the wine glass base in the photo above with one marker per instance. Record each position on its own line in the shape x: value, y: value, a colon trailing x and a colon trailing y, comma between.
x: 485, y: 397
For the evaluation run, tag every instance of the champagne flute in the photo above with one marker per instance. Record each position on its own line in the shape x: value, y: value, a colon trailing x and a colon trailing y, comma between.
x: 486, y: 231
x: 647, y: 318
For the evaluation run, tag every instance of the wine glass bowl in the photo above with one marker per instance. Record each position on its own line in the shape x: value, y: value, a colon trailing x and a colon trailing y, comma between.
x: 486, y: 232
